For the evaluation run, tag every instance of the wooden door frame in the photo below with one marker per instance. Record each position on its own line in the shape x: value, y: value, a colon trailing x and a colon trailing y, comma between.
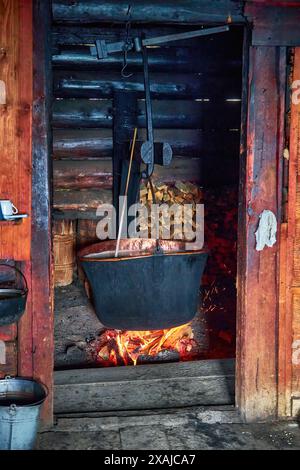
x: 258, y: 272
x: 262, y: 145
x: 36, y: 330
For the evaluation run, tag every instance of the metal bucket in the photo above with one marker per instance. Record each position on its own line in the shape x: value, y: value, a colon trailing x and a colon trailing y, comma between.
x: 12, y: 297
x: 141, y: 290
x: 20, y: 404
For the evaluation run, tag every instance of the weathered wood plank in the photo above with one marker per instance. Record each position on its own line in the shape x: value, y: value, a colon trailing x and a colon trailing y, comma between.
x: 258, y: 277
x: 188, y: 11
x: 274, y: 25
x: 289, y: 270
x: 176, y: 114
x: 222, y: 414
x: 296, y: 345
x: 92, y: 84
x: 41, y: 258
x: 292, y: 312
x: 145, y: 386
x: 15, y: 125
x: 80, y: 201
x: 70, y: 174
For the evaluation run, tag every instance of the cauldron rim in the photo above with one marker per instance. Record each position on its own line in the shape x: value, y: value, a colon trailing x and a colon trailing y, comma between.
x: 170, y: 247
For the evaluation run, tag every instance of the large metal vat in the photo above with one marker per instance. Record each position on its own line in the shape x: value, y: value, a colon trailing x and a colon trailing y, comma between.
x: 143, y: 290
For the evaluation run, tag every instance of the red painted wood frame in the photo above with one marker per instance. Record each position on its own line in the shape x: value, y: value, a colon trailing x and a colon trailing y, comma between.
x: 258, y: 272
x: 289, y: 324
x: 257, y: 346
x: 36, y: 333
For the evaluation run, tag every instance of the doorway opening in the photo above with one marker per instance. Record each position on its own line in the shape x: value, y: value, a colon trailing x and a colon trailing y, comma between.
x: 196, y: 97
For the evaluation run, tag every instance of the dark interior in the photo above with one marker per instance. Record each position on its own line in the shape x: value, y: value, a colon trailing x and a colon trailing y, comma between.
x: 196, y: 93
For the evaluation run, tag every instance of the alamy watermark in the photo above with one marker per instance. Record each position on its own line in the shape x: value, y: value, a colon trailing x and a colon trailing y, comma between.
x: 177, y: 221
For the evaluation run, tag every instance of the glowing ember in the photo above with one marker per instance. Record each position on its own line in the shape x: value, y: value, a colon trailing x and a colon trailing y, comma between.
x: 116, y: 347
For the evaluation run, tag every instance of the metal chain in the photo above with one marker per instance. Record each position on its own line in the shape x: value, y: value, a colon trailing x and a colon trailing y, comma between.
x: 127, y: 44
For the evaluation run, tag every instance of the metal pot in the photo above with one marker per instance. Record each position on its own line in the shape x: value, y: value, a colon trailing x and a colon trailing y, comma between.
x: 142, y: 290
x: 12, y: 299
x: 20, y: 405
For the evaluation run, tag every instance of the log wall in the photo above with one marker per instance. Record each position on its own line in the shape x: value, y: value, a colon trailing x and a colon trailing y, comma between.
x: 196, y: 108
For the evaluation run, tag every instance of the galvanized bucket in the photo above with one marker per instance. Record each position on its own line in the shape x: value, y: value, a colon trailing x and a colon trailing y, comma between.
x: 20, y: 404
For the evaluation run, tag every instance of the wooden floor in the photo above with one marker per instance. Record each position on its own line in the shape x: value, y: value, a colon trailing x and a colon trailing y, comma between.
x: 153, y: 386
x: 193, y: 428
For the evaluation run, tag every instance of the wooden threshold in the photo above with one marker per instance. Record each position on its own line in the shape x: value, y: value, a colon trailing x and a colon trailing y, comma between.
x: 154, y: 386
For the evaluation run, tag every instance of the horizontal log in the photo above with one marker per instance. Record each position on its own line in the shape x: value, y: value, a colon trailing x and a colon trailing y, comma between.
x: 82, y: 143
x: 159, y: 386
x: 158, y: 11
x: 80, y: 201
x: 74, y: 214
x: 97, y: 143
x: 221, y: 45
x: 69, y: 174
x: 92, y: 84
x: 162, y: 59
x: 82, y: 174
x: 166, y: 114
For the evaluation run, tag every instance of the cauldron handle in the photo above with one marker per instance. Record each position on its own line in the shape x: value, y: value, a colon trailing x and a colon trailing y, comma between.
x: 18, y: 271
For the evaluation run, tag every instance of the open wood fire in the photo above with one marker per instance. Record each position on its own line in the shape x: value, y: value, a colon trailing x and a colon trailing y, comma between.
x: 130, y: 347
x: 212, y: 333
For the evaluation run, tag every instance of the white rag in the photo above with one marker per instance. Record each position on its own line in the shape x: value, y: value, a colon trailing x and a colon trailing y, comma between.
x: 266, y: 232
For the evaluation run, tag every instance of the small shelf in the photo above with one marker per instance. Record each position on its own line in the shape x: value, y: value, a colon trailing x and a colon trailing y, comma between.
x: 16, y: 220
x: 11, y: 222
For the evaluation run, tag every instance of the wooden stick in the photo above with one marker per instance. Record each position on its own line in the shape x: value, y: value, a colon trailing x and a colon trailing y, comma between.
x: 126, y: 191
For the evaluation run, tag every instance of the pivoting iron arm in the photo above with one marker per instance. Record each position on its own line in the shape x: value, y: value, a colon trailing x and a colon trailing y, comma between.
x: 103, y: 49
x: 147, y: 149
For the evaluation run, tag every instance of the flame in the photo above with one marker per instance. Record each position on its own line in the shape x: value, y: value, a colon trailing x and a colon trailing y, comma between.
x: 124, y: 347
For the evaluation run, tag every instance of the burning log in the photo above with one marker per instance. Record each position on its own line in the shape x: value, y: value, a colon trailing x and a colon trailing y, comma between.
x: 131, y: 347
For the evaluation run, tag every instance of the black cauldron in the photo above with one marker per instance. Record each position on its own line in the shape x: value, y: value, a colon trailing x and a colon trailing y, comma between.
x: 12, y: 297
x: 140, y: 289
